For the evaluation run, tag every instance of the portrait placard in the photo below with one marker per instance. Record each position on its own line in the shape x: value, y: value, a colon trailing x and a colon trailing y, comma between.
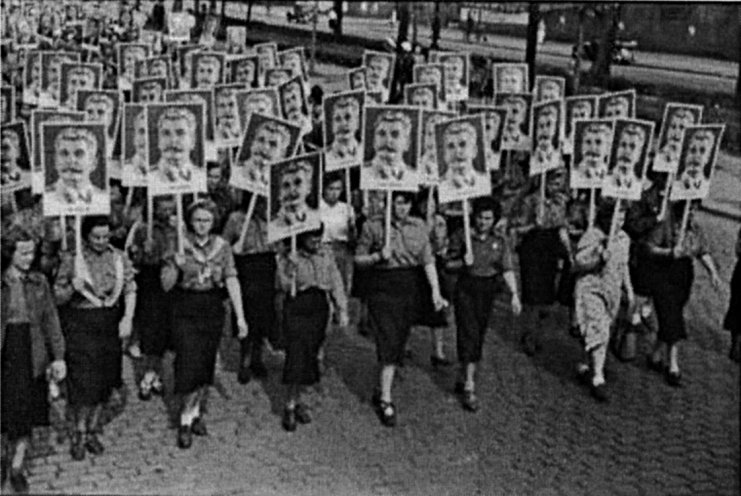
x: 227, y: 123
x: 258, y: 101
x: 39, y: 117
x: 203, y: 96
x: 432, y: 74
x: 516, y: 133
x: 356, y: 78
x: 617, y: 105
x: 510, y: 78
x: 293, y: 104
x: 74, y: 168
x: 159, y: 66
x: 577, y: 107
x: 343, y: 118
x: 390, y: 148
x: 176, y: 143
x: 15, y: 160
x: 422, y: 95
x: 428, y: 155
x: 267, y: 55
x: 236, y: 35
x: 149, y: 90
x: 628, y: 156
x: 7, y: 104
x: 184, y: 64
x: 373, y: 97
x: 549, y: 88
x: 294, y: 60
x: 135, y: 145
x: 293, y: 197
x: 677, y: 116
x: 101, y: 106
x: 243, y: 69
x: 266, y: 139
x: 456, y: 75
x: 697, y: 161
x: 128, y: 55
x: 461, y: 159
x: 51, y: 70
x: 379, y: 71
x: 592, y: 145
x: 546, y: 129
x: 207, y: 69
x: 276, y: 76
x: 78, y: 76
x: 179, y: 25
x: 494, y: 118
x: 32, y: 77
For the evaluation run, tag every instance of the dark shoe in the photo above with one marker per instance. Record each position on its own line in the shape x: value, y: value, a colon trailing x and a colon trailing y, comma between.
x: 529, y: 346
x: 18, y: 481
x: 439, y: 362
x: 376, y: 397
x: 599, y: 393
x: 4, y: 470
x: 674, y: 379
x: 655, y: 365
x: 93, y: 444
x: 303, y: 414
x: 574, y: 332
x: 145, y: 391
x: 735, y: 352
x: 289, y: 419
x: 199, y: 427
x: 459, y: 388
x: 584, y: 375
x: 76, y: 449
x: 470, y: 401
x: 259, y: 370
x: 387, y: 413
x: 157, y: 387
x: 185, y: 437
x: 244, y: 375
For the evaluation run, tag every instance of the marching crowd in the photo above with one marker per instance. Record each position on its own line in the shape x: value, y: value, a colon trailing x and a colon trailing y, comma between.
x: 391, y: 260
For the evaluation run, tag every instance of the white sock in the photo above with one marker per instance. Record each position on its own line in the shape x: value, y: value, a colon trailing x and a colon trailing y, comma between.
x: 599, y: 355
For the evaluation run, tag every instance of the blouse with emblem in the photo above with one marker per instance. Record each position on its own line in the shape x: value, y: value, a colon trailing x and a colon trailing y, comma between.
x: 492, y: 253
x: 108, y: 275
x: 207, y: 265
x: 409, y: 242
x: 314, y: 270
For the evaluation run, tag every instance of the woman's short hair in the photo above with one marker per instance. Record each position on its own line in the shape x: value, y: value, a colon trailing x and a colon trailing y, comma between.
x: 11, y: 237
x: 205, y: 204
x: 90, y: 222
x: 487, y: 204
x: 303, y: 237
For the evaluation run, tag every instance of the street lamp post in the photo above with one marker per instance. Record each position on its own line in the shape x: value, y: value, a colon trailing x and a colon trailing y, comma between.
x: 314, y: 18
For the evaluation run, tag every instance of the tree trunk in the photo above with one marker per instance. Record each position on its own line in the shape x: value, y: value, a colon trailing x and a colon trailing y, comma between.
x: 533, y: 18
x: 738, y: 81
x: 249, y: 10
x: 223, y: 9
x: 579, y: 48
x: 338, y: 23
x: 436, y: 27
x: 403, y: 12
x: 600, y: 72
x: 415, y: 20
x: 314, y: 19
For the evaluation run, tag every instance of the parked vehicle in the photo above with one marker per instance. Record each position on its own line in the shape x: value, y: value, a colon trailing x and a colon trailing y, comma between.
x: 623, y: 51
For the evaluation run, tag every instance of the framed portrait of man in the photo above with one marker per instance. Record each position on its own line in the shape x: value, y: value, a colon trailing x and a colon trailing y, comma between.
x: 461, y: 159
x: 373, y: 98
x: 267, y: 55
x: 432, y: 74
x: 51, y: 75
x: 78, y: 76
x: 207, y: 69
x: 101, y: 106
x: 379, y: 71
x: 202, y: 96
x: 592, y: 145
x: 276, y: 76
x: 15, y: 158
x: 357, y: 79
x: 176, y: 144
x: 428, y: 155
x: 546, y: 129
x: 577, y: 107
x: 185, y: 64
x: 549, y: 88
x: 422, y: 95
x: 7, y: 104
x: 257, y: 101
x: 236, y: 36
x: 149, y: 90
x: 128, y: 55
x: 227, y: 123
x: 617, y: 105
x: 243, y: 70
x: 294, y: 60
x: 510, y: 78
x: 494, y: 118
x: 343, y: 119
x: 293, y: 104
x: 628, y: 156
x: 456, y: 67
x: 38, y: 117
x: 179, y: 25
x: 697, y: 161
x: 516, y: 132
x: 391, y: 148
x: 294, y: 196
x: 677, y: 116
x: 266, y: 139
x: 32, y: 77
x: 159, y: 66
x: 135, y: 145
x: 75, y: 172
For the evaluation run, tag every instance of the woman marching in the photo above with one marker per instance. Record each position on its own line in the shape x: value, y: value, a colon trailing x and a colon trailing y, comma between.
x: 393, y: 290
x: 313, y: 272
x: 601, y: 268
x: 672, y: 285
x: 31, y: 338
x: 490, y: 260
x: 198, y: 276
x: 90, y: 284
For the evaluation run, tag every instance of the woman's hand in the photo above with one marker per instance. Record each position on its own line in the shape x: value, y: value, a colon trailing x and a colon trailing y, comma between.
x: 180, y: 260
x: 516, y: 304
x: 58, y: 370
x: 438, y: 301
x: 242, y: 328
x: 125, y: 326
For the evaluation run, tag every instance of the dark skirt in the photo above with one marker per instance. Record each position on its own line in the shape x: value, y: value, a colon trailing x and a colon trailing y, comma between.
x: 23, y: 397
x: 198, y: 319
x: 428, y: 316
x: 539, y: 252
x: 256, y: 273
x: 672, y: 285
x: 360, y: 282
x: 642, y: 270
x: 305, y: 327
x: 732, y: 321
x: 393, y: 306
x: 94, y: 360
x: 473, y: 300
x: 566, y: 285
x: 152, y: 317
